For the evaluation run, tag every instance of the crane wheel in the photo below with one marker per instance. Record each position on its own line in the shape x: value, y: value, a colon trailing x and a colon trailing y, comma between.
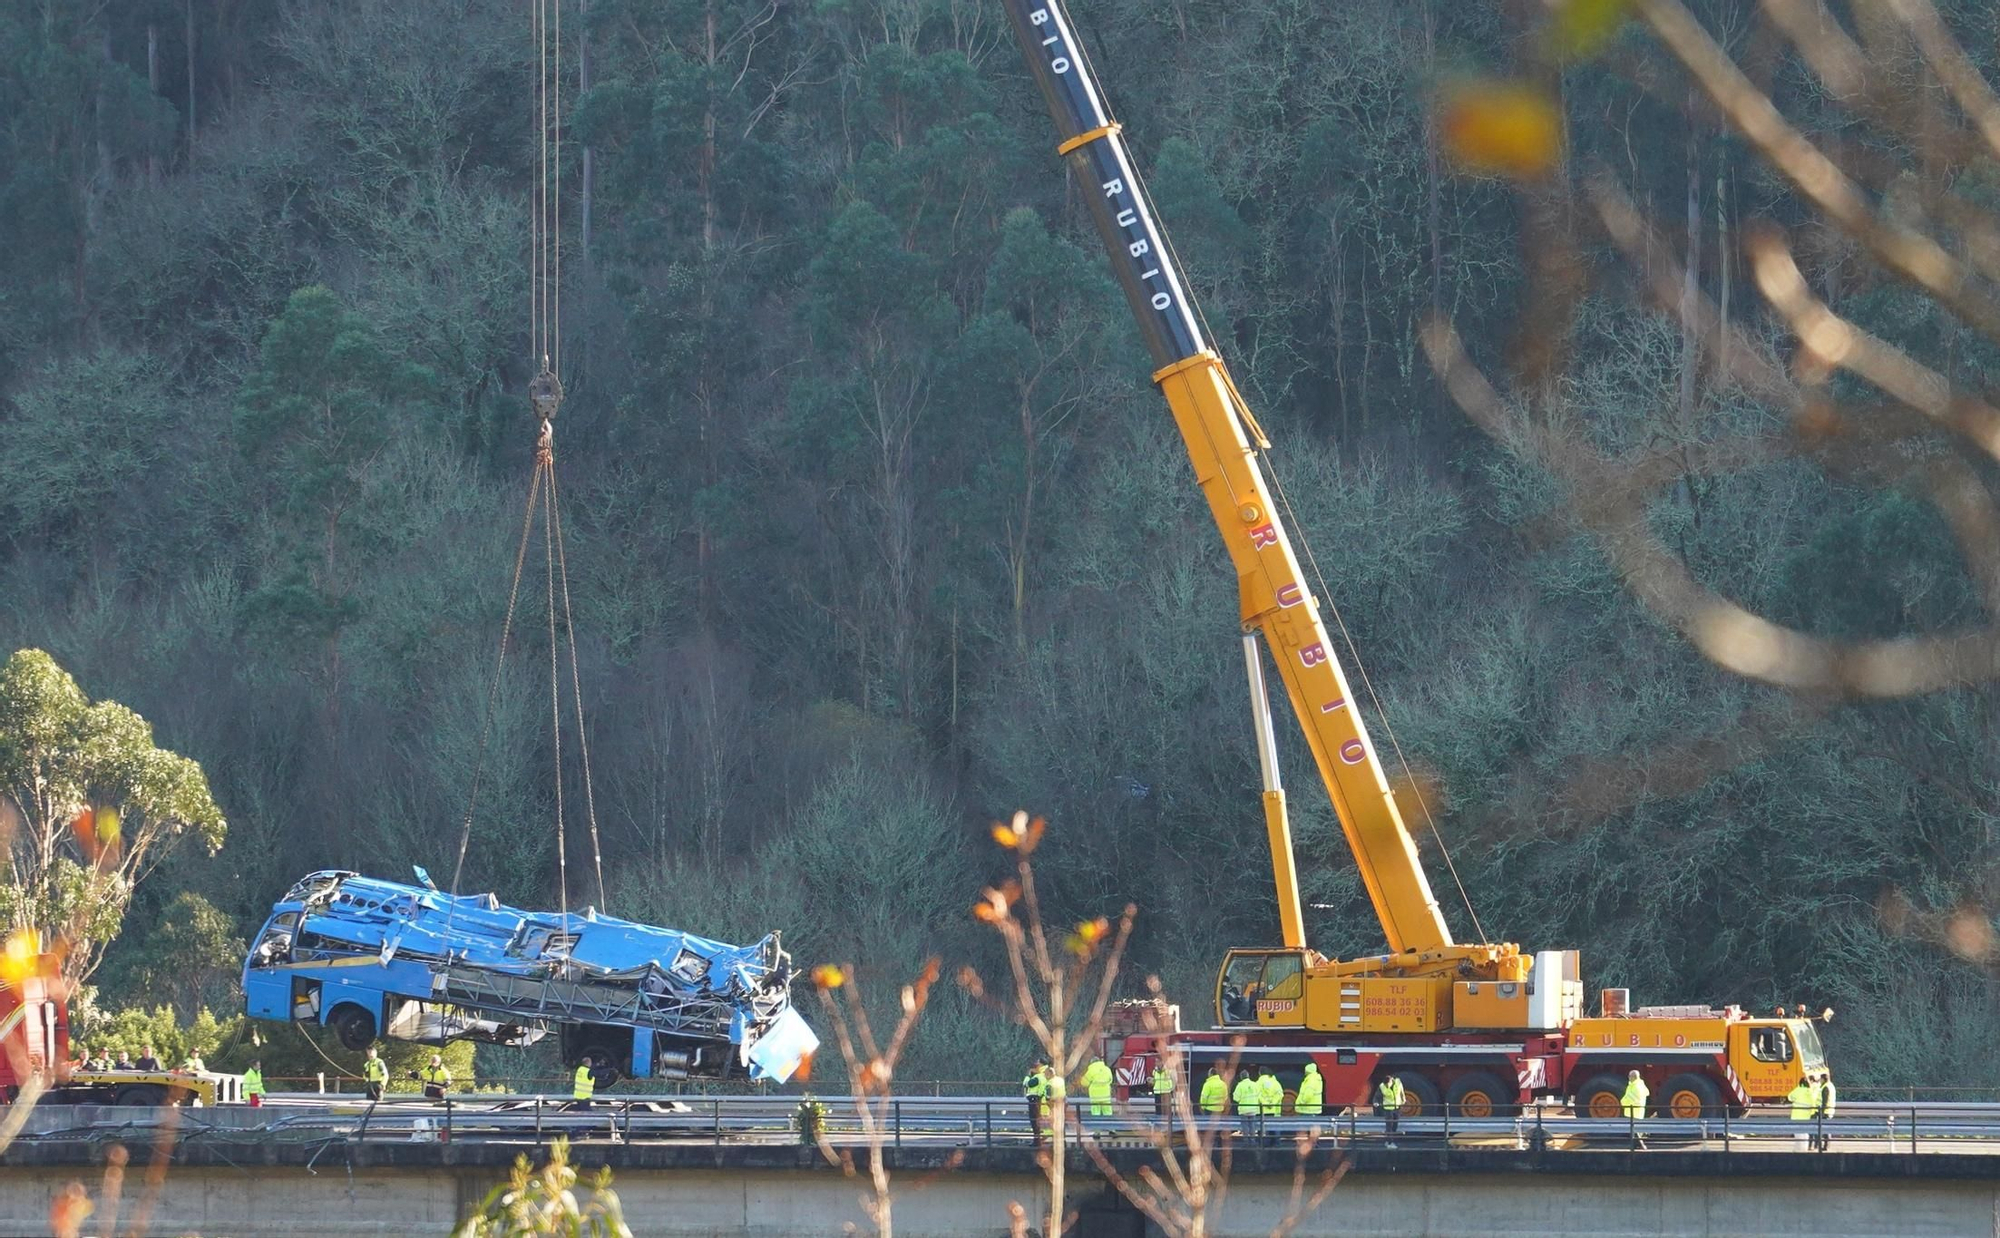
x: 1420, y: 1095
x: 1601, y: 1096
x: 1481, y: 1095
x: 1690, y: 1096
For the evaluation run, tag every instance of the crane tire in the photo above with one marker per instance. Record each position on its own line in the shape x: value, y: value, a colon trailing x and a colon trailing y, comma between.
x: 1421, y: 1098
x: 1481, y: 1094
x: 1690, y: 1096
x: 1601, y: 1096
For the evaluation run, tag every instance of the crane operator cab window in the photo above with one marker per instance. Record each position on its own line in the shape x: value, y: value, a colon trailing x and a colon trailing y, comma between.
x: 1248, y: 978
x: 1770, y: 1044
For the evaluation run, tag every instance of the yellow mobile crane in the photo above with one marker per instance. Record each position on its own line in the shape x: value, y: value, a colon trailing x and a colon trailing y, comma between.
x: 1481, y: 1026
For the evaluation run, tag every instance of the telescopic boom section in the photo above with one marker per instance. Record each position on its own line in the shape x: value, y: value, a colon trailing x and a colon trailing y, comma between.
x: 1222, y: 440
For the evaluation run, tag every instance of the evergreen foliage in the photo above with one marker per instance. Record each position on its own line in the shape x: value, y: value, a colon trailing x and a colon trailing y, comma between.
x: 878, y: 530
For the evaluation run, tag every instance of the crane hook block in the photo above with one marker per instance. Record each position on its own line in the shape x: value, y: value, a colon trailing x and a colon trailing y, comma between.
x: 545, y: 392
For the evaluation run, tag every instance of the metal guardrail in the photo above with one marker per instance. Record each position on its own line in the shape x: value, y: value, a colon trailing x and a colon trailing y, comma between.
x: 337, y: 1084
x: 1001, y: 1122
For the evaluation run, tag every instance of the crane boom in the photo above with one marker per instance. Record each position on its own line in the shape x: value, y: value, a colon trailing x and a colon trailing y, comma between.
x: 1223, y: 440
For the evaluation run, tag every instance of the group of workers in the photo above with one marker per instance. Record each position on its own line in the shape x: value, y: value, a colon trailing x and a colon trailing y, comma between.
x: 147, y: 1061
x: 1257, y: 1094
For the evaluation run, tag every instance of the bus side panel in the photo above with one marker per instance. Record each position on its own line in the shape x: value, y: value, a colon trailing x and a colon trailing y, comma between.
x: 334, y: 994
x: 267, y: 993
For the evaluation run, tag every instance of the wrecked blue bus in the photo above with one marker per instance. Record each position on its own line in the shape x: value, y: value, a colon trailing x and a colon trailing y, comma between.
x: 370, y: 958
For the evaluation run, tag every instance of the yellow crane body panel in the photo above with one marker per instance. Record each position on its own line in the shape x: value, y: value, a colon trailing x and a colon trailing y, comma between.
x: 1378, y: 1003
x: 1650, y: 1033
x: 1490, y: 1004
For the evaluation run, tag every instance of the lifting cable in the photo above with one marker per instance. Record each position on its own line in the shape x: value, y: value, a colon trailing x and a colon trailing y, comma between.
x: 1263, y: 449
x: 545, y: 396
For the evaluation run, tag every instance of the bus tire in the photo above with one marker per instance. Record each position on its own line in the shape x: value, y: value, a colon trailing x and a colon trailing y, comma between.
x: 148, y: 1095
x: 1690, y: 1096
x: 605, y: 1070
x: 354, y: 1026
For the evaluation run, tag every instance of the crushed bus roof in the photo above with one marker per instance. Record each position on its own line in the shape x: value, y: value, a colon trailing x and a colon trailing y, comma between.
x: 412, y: 962
x: 419, y: 922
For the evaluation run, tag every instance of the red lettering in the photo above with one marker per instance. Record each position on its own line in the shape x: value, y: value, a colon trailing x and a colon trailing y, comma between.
x: 1263, y: 536
x: 1313, y: 654
x: 1352, y: 752
x: 1330, y: 706
x: 1290, y: 595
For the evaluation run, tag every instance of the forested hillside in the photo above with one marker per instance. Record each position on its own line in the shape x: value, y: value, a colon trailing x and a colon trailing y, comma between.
x: 877, y: 529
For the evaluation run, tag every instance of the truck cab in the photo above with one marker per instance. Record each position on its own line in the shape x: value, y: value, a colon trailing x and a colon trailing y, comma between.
x: 1770, y: 1056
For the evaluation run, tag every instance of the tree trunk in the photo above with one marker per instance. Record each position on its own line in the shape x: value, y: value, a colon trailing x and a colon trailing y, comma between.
x: 153, y: 84
x: 190, y: 75
x: 589, y: 169
x: 1432, y: 210
x: 1021, y: 535
x: 1337, y: 307
x: 1725, y: 256
x: 1691, y: 280
x: 706, y: 171
x: 92, y: 187
x: 705, y: 178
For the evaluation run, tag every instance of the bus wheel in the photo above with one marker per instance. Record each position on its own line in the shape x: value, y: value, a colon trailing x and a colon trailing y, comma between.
x: 1691, y: 1096
x: 354, y: 1026
x: 147, y: 1094
x: 1481, y: 1095
x: 605, y: 1070
x: 1601, y: 1096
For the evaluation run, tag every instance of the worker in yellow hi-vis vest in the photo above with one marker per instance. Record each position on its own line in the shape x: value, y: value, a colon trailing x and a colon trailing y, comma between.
x: 375, y: 1073
x: 1214, y: 1091
x: 1035, y: 1090
x: 1826, y: 1095
x: 1389, y: 1102
x: 1804, y: 1100
x: 1163, y: 1089
x: 1311, y: 1098
x: 1633, y: 1104
x: 1249, y: 1100
x: 435, y: 1077
x: 1097, y: 1082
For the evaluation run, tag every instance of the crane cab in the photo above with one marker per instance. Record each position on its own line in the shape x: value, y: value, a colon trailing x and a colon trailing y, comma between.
x: 1261, y: 988
x: 1770, y: 1056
